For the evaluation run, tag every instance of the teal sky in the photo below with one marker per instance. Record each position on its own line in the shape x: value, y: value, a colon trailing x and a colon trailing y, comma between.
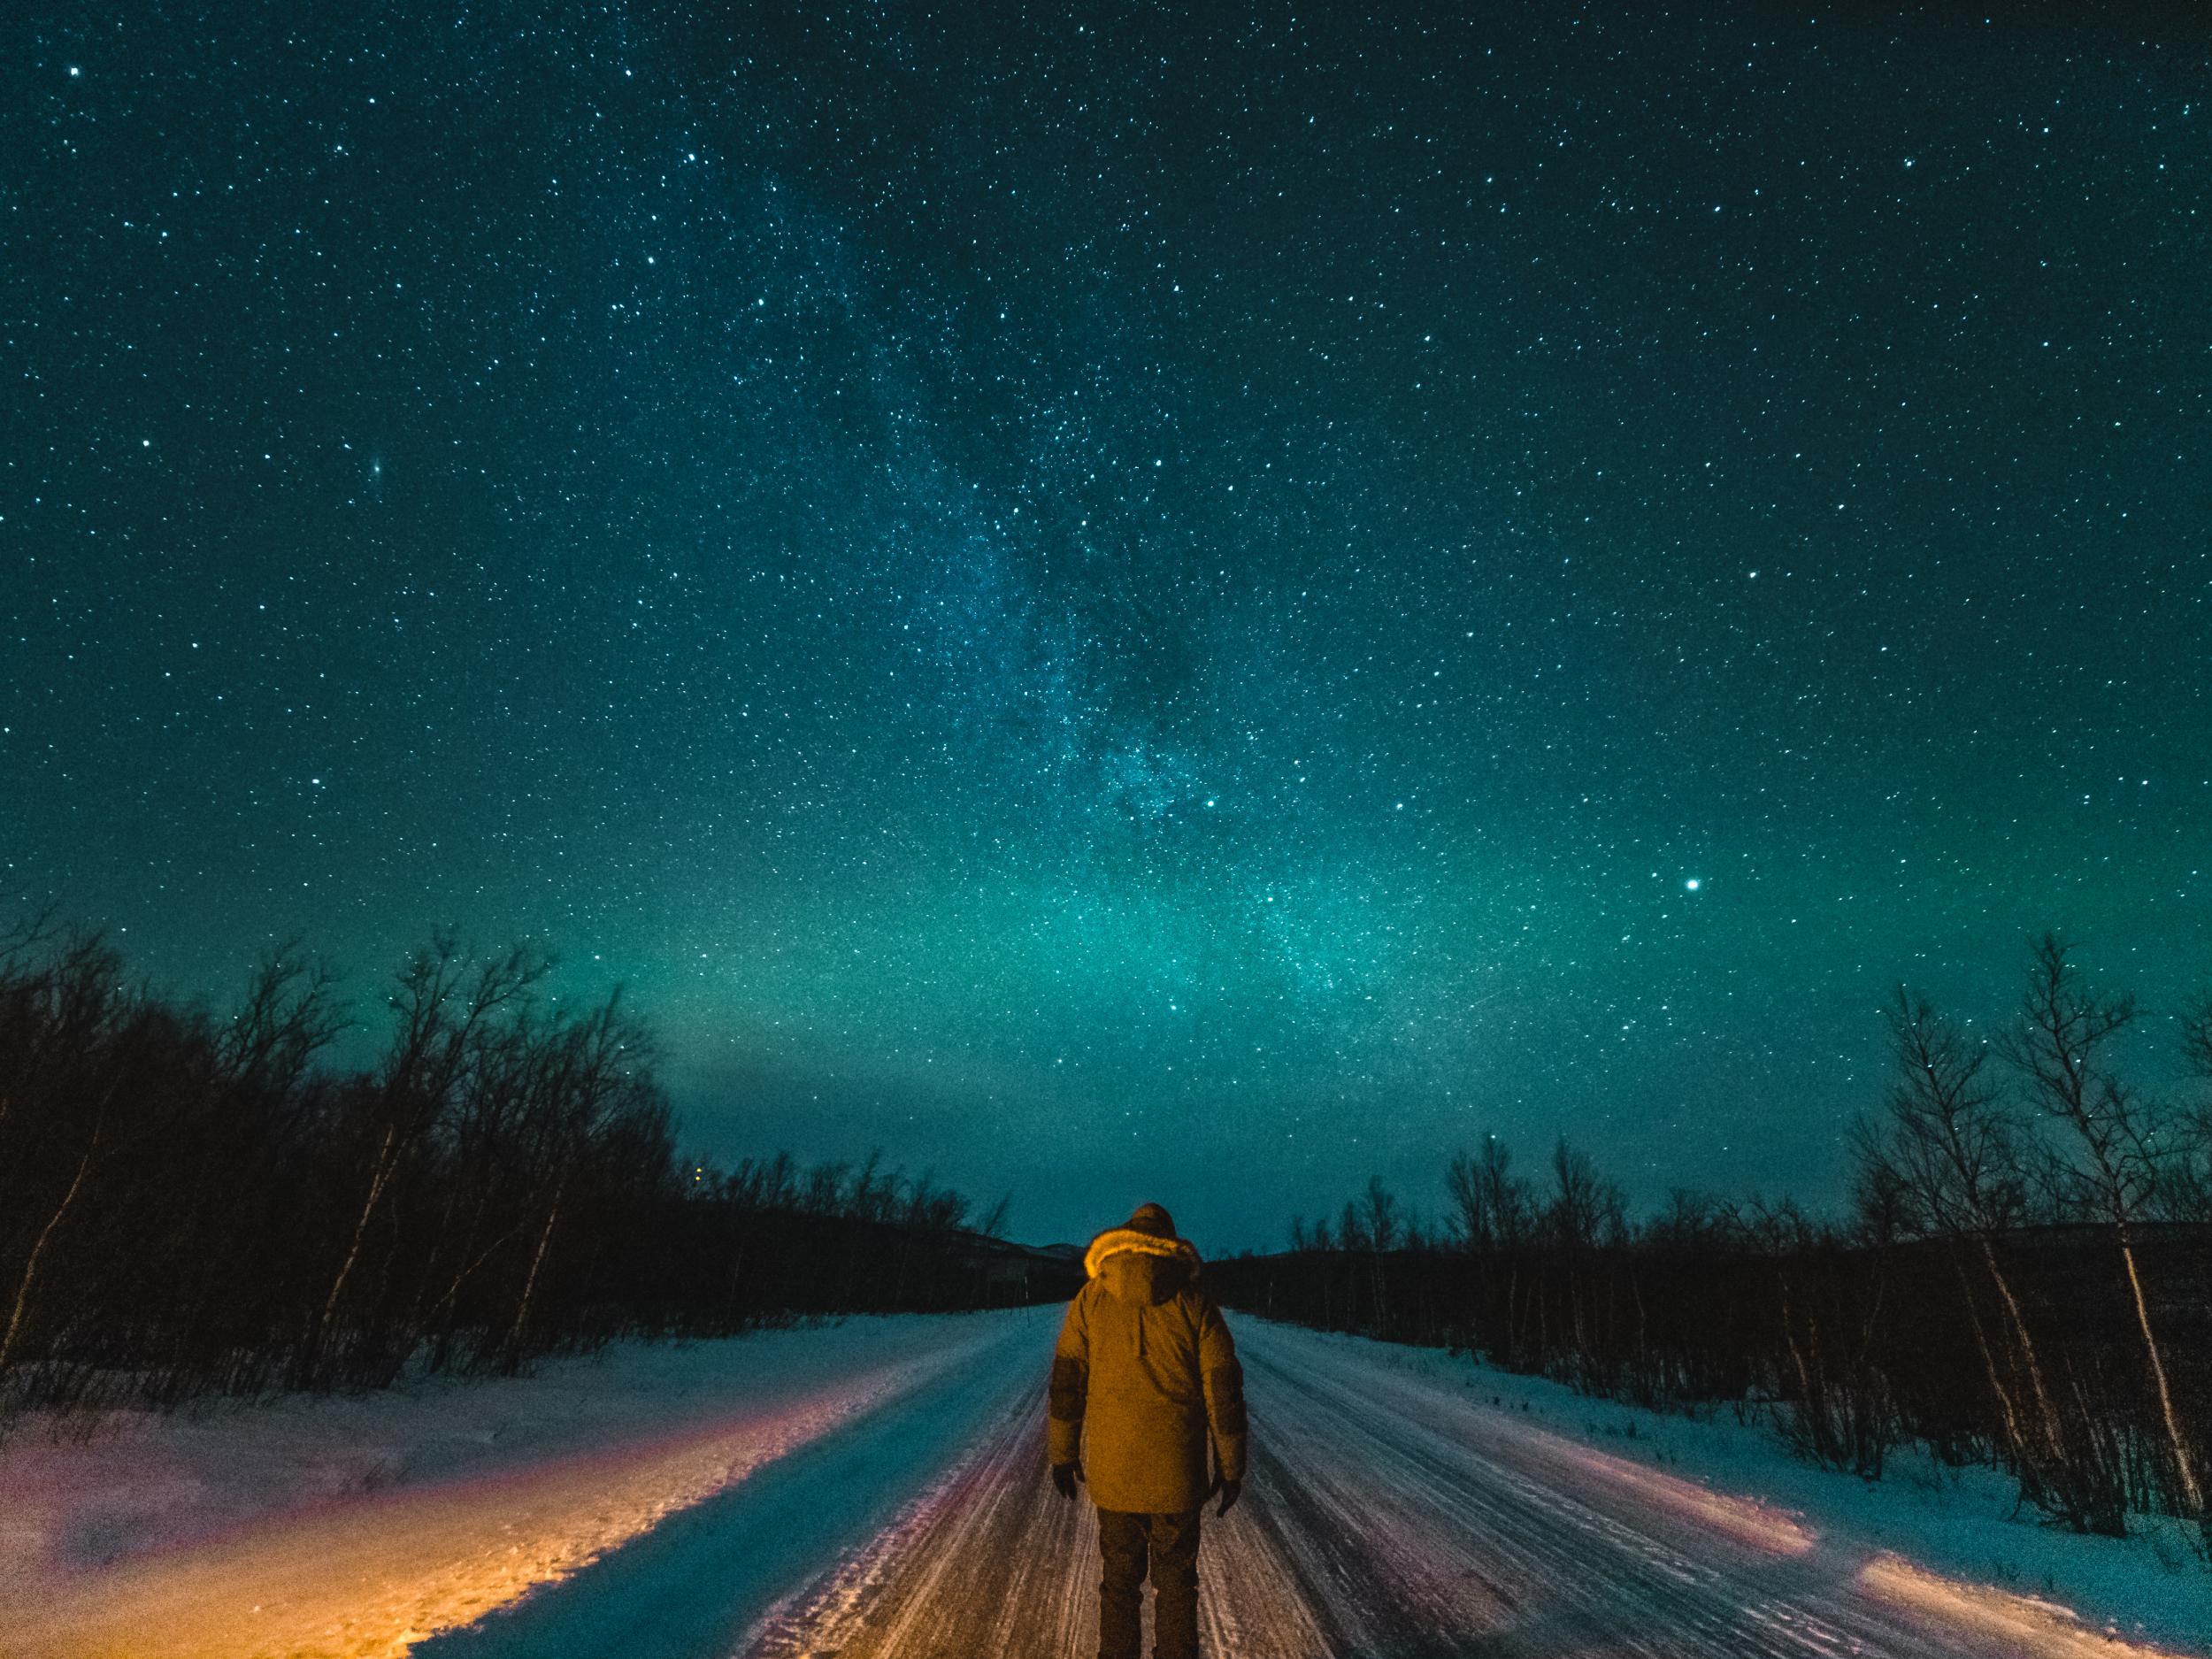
x: 1132, y: 605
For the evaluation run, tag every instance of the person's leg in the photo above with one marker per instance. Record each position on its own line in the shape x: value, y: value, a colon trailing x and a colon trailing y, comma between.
x: 1174, y: 1562
x: 1121, y: 1585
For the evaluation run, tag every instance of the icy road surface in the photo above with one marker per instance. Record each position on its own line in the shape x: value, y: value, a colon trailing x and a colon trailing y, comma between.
x: 1388, y: 1516
x: 876, y: 1489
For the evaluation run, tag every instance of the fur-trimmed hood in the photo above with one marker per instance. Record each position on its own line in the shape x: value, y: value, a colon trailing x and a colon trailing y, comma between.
x: 1115, y: 1241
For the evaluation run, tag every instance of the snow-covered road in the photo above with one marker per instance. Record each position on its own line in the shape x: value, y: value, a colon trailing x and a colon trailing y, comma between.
x: 1399, y: 1507
x: 1392, y: 1517
x: 1388, y: 1516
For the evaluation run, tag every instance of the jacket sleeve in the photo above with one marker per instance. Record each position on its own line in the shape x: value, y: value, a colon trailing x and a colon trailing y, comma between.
x: 1071, y: 1386
x: 1225, y: 1392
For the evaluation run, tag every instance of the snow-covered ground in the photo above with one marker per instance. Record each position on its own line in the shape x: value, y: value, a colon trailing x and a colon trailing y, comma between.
x: 361, y: 1525
x: 1922, y: 1524
x: 876, y: 1488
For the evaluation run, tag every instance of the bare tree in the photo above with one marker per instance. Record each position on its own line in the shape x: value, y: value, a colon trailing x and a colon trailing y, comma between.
x: 76, y: 1009
x: 2186, y: 1193
x: 62, y: 1004
x: 1948, y: 1158
x: 28, y: 1281
x: 2197, y: 1036
x: 2059, y: 1048
x: 931, y: 1206
x: 1491, y: 1207
x: 1351, y: 1228
x: 20, y: 991
x: 1380, y: 1215
x: 1491, y: 1210
x: 290, y: 1015
x: 1586, y: 1208
x: 1881, y: 1198
x: 1508, y: 1200
x: 1468, y: 1218
x: 825, y: 1190
x: 444, y: 1016
x: 190, y: 1202
x: 1694, y: 1220
x: 596, y: 1089
x: 872, y: 1194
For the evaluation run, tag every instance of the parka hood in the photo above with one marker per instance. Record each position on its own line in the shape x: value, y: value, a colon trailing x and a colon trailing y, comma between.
x: 1138, y: 1268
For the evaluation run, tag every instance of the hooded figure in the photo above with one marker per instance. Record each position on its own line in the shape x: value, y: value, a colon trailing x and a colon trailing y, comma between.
x: 1144, y: 1378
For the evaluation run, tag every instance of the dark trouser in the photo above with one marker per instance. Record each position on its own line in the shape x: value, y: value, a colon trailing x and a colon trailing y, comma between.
x: 1125, y: 1541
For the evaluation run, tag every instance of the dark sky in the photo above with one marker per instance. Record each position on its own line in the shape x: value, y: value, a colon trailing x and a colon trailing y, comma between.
x: 1128, y: 605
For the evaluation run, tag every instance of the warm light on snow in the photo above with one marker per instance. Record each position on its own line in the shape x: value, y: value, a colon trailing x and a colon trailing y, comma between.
x: 367, y: 1575
x: 2033, y: 1628
x: 1745, y: 1520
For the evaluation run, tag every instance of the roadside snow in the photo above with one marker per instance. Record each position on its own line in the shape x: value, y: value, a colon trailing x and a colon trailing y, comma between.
x: 708, y: 1583
x: 2156, y: 1586
x: 359, y: 1525
x: 777, y: 1487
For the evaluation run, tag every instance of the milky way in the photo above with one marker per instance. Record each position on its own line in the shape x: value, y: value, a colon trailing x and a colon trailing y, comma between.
x: 1129, y: 606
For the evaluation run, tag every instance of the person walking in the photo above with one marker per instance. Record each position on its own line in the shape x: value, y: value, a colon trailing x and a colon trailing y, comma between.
x: 1145, y: 1374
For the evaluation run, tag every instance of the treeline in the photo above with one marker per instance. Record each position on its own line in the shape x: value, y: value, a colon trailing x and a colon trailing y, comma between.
x: 2025, y: 1279
x: 193, y: 1202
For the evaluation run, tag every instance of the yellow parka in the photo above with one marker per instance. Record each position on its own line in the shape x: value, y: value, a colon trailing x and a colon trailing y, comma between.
x: 1145, y: 1374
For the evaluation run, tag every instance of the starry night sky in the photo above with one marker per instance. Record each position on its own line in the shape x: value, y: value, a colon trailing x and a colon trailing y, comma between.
x: 1128, y: 606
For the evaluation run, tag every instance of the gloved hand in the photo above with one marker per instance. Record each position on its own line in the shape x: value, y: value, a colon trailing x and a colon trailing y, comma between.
x: 1230, y: 1491
x: 1064, y: 1478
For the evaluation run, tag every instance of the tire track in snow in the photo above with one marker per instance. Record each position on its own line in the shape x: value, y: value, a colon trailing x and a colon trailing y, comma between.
x: 1391, y: 1519
x: 695, y: 1584
x: 981, y: 1539
x: 1466, y: 1553
x: 992, y: 1560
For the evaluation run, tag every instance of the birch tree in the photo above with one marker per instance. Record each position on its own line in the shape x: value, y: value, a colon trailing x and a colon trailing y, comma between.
x: 1948, y: 1155
x: 2061, y: 1047
x: 444, y: 1013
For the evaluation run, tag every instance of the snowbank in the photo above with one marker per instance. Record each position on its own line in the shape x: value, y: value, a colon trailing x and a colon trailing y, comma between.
x: 2156, y: 1586
x: 358, y: 1525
